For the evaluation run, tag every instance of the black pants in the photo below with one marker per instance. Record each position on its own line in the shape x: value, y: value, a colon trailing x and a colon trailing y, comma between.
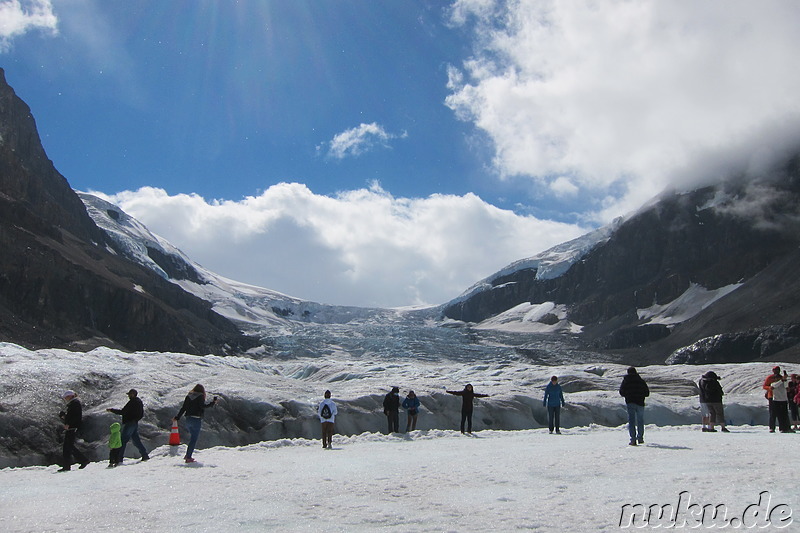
x: 554, y: 417
x: 70, y: 450
x: 114, y: 456
x: 466, y: 416
x: 394, y: 421
x: 779, y: 411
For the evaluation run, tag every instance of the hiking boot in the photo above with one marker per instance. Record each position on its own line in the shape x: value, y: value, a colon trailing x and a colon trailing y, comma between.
x: 724, y: 430
x: 83, y: 465
x: 711, y: 430
x: 64, y: 469
x: 641, y: 441
x: 190, y: 460
x: 632, y: 443
x: 145, y: 458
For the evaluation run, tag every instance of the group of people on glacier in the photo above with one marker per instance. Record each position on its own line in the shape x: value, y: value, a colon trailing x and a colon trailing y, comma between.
x: 781, y: 390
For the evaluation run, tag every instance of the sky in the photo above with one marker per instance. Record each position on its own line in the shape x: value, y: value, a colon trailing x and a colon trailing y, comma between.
x: 304, y: 146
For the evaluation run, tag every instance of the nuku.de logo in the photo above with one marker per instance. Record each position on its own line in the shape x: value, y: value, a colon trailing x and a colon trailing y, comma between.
x: 694, y: 515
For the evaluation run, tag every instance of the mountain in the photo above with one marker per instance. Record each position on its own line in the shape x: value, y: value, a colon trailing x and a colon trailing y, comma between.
x: 64, y: 282
x: 718, y: 262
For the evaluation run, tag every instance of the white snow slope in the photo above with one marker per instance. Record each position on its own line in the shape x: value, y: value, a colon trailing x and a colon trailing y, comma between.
x: 426, y: 481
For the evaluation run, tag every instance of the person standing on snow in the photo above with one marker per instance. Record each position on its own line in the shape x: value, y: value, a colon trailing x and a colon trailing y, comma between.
x: 327, y: 414
x: 775, y: 385
x: 711, y: 402
x: 131, y: 414
x: 791, y: 392
x: 554, y: 401
x: 391, y: 408
x: 194, y: 405
x: 467, y: 397
x: 114, y: 445
x: 411, y: 405
x: 634, y: 389
x: 73, y: 418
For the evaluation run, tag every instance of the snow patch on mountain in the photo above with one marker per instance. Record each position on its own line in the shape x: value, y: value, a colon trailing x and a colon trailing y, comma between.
x: 695, y: 299
x: 547, y: 317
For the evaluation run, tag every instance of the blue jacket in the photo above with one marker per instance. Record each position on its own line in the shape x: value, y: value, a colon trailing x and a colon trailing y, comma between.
x: 412, y: 404
x: 553, y: 395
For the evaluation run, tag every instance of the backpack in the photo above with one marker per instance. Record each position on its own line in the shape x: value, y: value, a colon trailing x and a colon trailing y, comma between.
x: 326, y: 411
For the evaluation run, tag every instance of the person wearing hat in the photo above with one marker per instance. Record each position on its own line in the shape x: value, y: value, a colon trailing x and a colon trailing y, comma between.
x: 634, y: 389
x: 391, y: 408
x: 72, y: 418
x: 776, y: 394
x: 131, y: 414
x: 711, y: 408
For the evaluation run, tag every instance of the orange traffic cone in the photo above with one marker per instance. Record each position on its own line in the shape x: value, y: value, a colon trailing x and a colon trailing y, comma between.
x: 174, y: 437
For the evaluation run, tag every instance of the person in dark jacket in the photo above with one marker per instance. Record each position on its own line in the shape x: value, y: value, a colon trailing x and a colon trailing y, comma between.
x: 634, y: 390
x: 194, y: 406
x: 411, y: 405
x: 554, y: 401
x: 467, y: 397
x: 391, y: 408
x: 131, y: 414
x: 711, y: 402
x: 72, y: 418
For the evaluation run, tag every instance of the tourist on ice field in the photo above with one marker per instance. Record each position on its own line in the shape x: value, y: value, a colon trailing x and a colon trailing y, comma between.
x: 411, y: 405
x: 131, y: 414
x: 467, y: 397
x: 194, y: 406
x: 791, y: 392
x: 711, y: 408
x: 778, y: 398
x: 327, y: 414
x: 391, y: 408
x: 114, y: 445
x: 73, y: 418
x: 554, y: 401
x: 634, y: 389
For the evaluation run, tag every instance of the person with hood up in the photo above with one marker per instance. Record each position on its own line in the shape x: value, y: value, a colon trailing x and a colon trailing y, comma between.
x: 327, y: 412
x: 634, y: 389
x: 778, y: 398
x: 391, y: 408
x: 114, y: 445
x: 411, y: 405
x: 711, y: 402
x: 72, y: 418
x: 554, y: 401
x: 194, y: 405
x: 467, y: 397
x: 131, y: 414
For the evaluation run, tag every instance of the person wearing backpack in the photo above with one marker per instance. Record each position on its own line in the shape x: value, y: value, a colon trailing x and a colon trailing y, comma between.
x: 327, y: 414
x: 131, y: 413
x: 411, y: 405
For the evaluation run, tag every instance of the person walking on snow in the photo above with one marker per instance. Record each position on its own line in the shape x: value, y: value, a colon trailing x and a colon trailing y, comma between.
x: 73, y: 418
x: 776, y: 394
x: 467, y: 397
x: 711, y: 402
x: 327, y: 414
x: 194, y: 405
x: 114, y: 445
x: 391, y: 408
x: 554, y: 401
x: 411, y: 405
x: 634, y: 389
x: 131, y: 414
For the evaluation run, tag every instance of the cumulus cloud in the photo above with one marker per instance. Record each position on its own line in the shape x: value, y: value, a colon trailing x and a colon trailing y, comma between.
x: 363, y: 247
x: 356, y: 141
x: 18, y: 18
x: 623, y: 97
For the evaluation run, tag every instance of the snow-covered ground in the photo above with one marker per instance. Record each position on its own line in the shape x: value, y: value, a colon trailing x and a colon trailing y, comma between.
x: 432, y: 480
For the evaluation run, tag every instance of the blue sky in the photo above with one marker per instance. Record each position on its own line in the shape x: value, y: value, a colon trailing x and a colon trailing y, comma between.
x: 394, y: 152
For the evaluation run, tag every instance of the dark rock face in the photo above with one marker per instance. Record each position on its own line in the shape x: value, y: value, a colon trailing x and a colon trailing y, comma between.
x: 738, y: 347
x: 713, y: 236
x: 60, y: 285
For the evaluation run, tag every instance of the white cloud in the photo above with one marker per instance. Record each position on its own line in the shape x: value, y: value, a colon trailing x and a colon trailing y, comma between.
x: 356, y: 141
x: 620, y: 97
x: 362, y: 247
x: 18, y: 18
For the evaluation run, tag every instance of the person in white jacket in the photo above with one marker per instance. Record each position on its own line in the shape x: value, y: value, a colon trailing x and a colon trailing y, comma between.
x: 327, y: 415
